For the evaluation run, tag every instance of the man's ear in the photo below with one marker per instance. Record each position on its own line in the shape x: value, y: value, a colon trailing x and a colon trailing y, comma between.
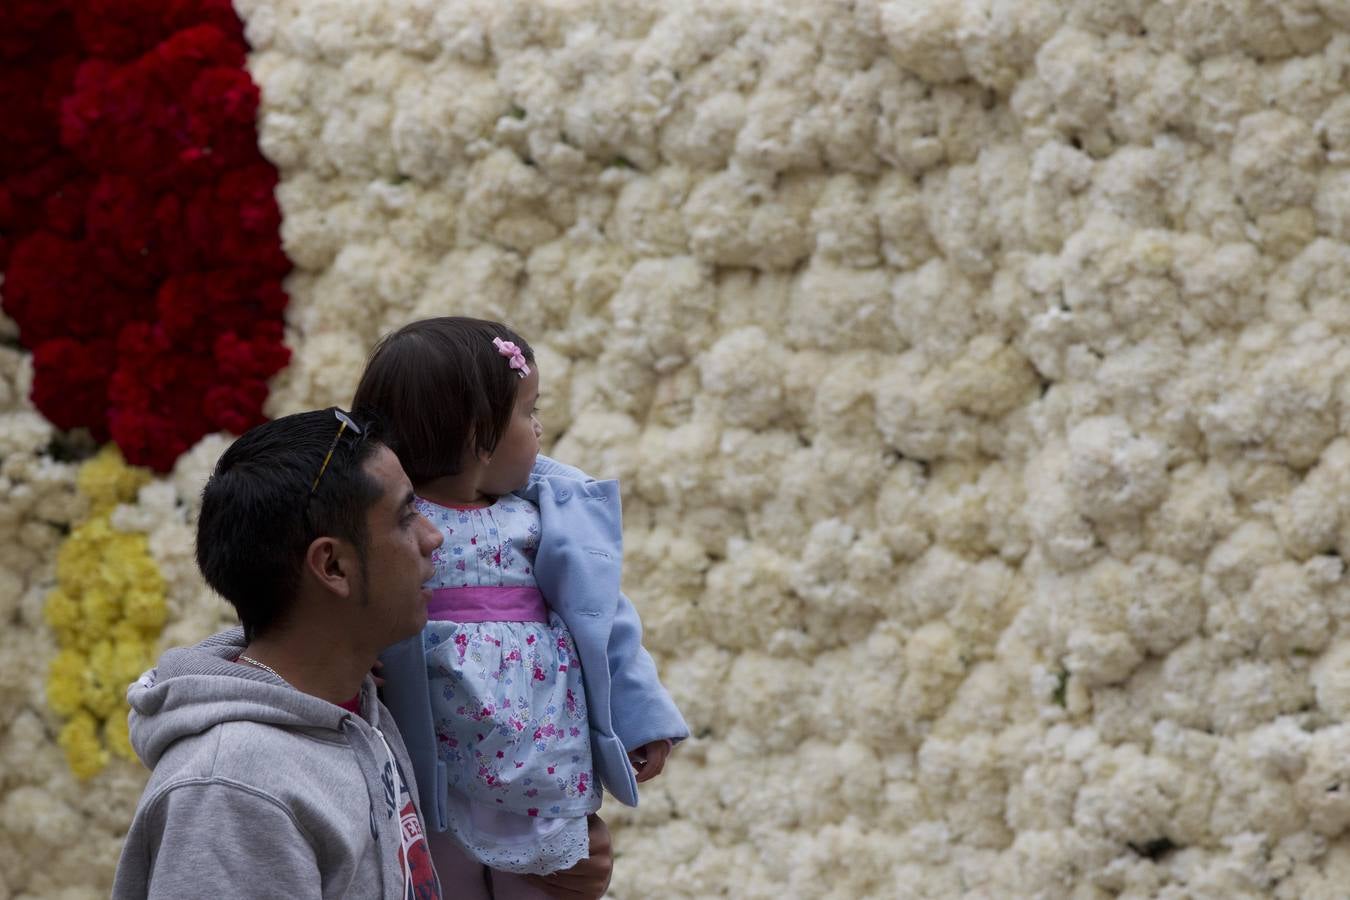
x: 331, y: 563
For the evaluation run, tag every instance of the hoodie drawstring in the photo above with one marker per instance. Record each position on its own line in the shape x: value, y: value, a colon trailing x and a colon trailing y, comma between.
x: 398, y: 810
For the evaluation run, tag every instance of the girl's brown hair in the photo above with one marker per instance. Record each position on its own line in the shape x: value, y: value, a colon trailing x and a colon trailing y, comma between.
x: 441, y: 390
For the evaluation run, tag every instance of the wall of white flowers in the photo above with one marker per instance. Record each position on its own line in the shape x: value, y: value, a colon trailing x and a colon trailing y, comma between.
x: 977, y: 373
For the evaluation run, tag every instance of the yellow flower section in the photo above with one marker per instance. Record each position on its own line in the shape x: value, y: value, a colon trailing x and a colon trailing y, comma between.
x: 108, y: 610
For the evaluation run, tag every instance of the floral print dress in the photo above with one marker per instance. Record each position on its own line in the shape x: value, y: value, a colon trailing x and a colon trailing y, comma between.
x: 506, y: 694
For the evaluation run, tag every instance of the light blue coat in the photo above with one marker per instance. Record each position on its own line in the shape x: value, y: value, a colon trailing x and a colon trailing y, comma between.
x: 577, y: 567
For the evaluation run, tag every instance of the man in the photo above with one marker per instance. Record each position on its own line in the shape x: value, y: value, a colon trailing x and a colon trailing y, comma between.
x: 276, y: 771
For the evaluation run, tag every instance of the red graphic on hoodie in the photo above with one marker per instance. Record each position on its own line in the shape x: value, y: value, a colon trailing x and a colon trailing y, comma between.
x: 423, y: 885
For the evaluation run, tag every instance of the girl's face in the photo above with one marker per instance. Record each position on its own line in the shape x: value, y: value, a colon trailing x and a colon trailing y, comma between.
x: 508, y: 469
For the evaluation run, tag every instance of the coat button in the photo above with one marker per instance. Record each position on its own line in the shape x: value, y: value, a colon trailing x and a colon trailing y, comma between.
x: 563, y: 495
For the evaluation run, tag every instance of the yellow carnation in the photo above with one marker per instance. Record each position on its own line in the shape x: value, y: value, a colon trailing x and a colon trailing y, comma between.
x: 65, y: 683
x: 107, y: 480
x: 84, y: 751
x: 145, y: 609
x: 101, y: 694
x: 63, y: 615
x: 101, y: 608
x: 107, y: 611
x: 117, y: 737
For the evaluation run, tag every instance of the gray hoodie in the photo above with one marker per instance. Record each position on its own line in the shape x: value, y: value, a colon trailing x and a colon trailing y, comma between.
x: 258, y: 790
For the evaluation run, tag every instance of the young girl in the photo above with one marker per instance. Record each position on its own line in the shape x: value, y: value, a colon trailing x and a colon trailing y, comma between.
x: 529, y: 687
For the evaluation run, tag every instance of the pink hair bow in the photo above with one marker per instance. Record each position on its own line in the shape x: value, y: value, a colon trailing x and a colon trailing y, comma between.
x: 512, y: 352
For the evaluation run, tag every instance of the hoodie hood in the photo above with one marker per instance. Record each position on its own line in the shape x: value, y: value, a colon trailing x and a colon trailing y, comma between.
x: 193, y: 689
x: 231, y: 746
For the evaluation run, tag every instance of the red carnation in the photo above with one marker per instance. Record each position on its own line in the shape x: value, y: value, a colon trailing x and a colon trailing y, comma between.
x: 114, y: 122
x: 222, y: 108
x: 205, y: 304
x: 54, y: 288
x: 31, y: 188
x: 120, y: 29
x: 64, y: 208
x: 142, y: 351
x: 183, y: 305
x: 220, y: 13
x: 260, y: 357
x: 235, y: 221
x: 45, y: 284
x: 27, y: 113
x: 175, y: 63
x: 121, y: 227
x: 125, y: 29
x: 23, y: 208
x: 237, y: 407
x: 30, y: 16
x: 179, y: 252
x: 34, y: 28
x: 148, y: 439
x: 70, y: 383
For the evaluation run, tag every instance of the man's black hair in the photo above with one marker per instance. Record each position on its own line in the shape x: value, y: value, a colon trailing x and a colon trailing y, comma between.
x: 258, y: 515
x: 442, y: 389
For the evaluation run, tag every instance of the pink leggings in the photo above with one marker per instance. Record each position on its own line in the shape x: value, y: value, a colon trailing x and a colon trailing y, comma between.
x: 467, y: 879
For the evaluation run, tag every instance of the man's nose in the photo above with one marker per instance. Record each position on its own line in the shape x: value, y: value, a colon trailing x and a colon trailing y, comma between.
x: 432, y: 537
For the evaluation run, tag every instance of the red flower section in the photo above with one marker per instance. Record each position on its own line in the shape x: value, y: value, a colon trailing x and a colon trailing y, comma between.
x: 33, y: 26
x: 124, y: 29
x: 236, y: 221
x: 70, y: 382
x: 139, y: 232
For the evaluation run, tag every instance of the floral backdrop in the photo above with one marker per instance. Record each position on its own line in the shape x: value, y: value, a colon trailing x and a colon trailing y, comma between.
x: 977, y: 373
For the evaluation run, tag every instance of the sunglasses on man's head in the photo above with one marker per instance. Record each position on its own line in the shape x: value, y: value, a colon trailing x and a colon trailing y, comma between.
x: 344, y: 423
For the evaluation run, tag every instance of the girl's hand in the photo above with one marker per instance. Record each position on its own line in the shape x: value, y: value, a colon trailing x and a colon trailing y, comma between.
x: 649, y: 759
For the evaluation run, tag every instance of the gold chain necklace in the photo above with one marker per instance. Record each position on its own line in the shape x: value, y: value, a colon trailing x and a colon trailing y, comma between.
x: 264, y: 666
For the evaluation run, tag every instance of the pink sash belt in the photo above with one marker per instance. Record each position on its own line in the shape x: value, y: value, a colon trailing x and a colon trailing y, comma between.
x: 487, y: 604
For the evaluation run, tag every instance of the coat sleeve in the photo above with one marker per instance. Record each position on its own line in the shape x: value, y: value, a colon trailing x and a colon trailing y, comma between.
x: 643, y: 709
x: 216, y: 840
x: 408, y: 699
